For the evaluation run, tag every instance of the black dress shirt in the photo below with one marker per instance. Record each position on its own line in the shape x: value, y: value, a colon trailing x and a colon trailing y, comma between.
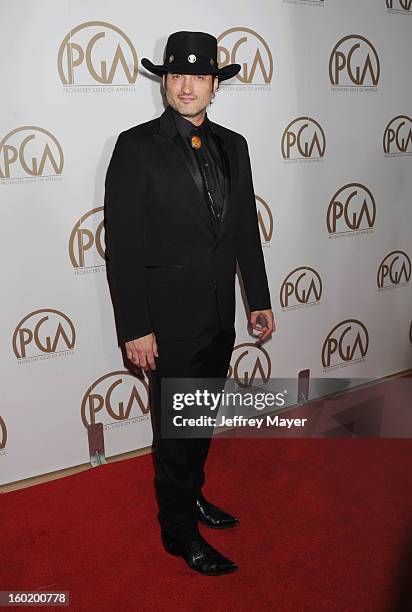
x: 208, y: 155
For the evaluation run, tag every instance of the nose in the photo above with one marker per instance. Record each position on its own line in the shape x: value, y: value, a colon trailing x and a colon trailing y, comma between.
x: 187, y: 84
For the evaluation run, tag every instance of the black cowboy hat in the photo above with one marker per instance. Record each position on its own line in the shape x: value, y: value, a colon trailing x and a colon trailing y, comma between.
x: 191, y: 53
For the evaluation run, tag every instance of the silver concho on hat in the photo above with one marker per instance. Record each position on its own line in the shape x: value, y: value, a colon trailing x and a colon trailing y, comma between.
x: 192, y: 58
x: 171, y: 58
x: 211, y: 61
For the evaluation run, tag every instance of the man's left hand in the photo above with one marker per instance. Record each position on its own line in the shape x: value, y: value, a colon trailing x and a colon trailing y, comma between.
x: 266, y: 324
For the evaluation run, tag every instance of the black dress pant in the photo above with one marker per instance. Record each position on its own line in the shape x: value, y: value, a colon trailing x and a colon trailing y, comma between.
x: 179, y: 462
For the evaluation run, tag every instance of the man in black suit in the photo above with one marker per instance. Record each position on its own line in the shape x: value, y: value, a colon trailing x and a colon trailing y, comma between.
x: 180, y: 212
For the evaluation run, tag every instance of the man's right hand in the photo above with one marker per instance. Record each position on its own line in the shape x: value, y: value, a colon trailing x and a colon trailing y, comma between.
x: 142, y: 351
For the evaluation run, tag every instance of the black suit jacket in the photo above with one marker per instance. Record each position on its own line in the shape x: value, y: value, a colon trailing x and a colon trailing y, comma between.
x: 164, y: 258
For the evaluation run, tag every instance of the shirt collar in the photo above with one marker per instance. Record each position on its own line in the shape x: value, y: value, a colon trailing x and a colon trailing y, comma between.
x: 186, y: 127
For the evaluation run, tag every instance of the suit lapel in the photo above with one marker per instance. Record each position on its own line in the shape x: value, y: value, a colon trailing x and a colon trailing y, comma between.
x: 171, y: 142
x: 228, y: 169
x: 174, y: 147
x: 193, y: 168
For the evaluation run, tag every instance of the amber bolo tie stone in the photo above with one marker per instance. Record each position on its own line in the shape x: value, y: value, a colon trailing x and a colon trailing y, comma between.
x: 196, y: 142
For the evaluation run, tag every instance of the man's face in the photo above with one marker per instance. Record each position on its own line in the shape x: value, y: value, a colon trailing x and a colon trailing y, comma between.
x: 189, y: 94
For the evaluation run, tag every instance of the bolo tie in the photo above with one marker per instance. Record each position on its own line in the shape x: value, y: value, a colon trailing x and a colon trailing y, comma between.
x: 197, y: 145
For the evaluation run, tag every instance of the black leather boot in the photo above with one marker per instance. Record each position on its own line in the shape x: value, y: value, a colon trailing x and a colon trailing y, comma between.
x: 199, y: 556
x: 212, y: 516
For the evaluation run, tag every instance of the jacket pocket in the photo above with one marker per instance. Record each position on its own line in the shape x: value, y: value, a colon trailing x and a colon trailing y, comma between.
x: 164, y: 273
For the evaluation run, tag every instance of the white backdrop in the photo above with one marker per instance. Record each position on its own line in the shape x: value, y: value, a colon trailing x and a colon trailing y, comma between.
x: 324, y: 99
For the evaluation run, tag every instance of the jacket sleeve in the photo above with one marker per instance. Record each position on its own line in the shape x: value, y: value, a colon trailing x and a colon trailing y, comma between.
x: 249, y: 252
x: 124, y: 238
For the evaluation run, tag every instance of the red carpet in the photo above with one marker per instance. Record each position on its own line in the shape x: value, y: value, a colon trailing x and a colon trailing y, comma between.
x: 325, y: 526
